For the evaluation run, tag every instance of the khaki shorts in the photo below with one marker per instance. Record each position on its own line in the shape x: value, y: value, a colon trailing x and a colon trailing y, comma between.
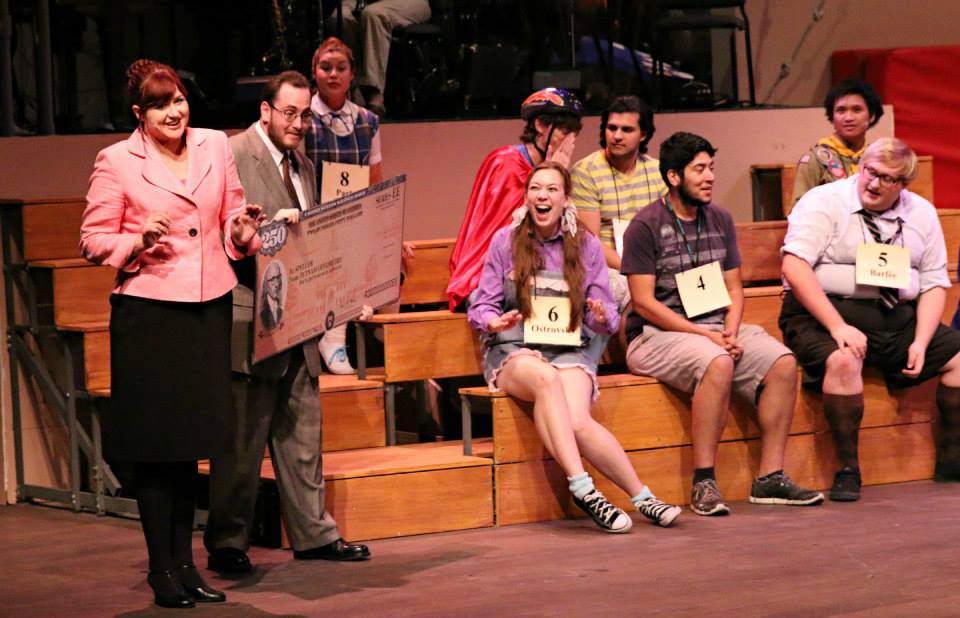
x: 680, y: 359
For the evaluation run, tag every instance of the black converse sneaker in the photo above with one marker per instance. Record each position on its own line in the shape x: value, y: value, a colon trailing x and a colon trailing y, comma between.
x: 659, y: 512
x: 608, y: 516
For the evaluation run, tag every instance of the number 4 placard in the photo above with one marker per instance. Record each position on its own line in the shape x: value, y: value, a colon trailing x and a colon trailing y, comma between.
x: 702, y: 289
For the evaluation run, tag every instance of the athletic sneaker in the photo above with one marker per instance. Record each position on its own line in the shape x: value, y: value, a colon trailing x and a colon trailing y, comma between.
x: 659, y: 512
x: 608, y: 516
x: 780, y: 489
x: 705, y: 499
x: 846, y: 485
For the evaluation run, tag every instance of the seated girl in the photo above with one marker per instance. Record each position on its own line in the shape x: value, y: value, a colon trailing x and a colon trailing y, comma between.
x: 543, y: 286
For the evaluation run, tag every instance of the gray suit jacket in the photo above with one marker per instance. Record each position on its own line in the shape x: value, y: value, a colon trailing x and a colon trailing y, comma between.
x: 263, y: 185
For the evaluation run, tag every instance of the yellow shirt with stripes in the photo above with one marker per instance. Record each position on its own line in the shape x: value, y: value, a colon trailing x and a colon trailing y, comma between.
x: 599, y: 187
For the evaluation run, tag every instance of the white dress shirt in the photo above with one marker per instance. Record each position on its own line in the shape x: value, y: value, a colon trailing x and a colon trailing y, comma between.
x: 278, y: 159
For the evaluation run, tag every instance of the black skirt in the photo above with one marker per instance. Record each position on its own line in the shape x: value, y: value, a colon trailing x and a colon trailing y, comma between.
x: 170, y: 380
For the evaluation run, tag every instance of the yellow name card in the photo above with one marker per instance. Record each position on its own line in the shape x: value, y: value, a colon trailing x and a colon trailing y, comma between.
x: 341, y: 179
x: 703, y: 289
x: 883, y: 265
x: 549, y: 321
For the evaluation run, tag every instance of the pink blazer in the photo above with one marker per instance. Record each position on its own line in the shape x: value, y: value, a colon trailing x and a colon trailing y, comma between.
x: 190, y: 263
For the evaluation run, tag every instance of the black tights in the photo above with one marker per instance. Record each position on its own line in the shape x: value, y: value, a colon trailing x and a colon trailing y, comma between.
x: 167, y: 498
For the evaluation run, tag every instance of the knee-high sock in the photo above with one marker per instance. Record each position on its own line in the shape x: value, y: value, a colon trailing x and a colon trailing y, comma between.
x: 948, y: 402
x: 844, y: 413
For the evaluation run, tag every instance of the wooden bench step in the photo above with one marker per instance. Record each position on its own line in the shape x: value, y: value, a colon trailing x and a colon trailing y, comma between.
x: 537, y: 490
x: 386, y: 492
x: 51, y: 228
x: 645, y: 414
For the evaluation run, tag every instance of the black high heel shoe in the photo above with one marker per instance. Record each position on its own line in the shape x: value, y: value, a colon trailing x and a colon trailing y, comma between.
x: 167, y: 590
x: 194, y: 585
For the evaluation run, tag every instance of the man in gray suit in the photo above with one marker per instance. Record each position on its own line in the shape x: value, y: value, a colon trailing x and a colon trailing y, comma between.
x: 278, y: 397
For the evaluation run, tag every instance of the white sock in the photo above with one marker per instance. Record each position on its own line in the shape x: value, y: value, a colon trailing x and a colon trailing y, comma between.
x: 643, y: 496
x: 580, y: 485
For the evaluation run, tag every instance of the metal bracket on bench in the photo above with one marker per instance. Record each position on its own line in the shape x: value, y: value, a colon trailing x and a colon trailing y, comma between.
x: 361, y: 350
x: 467, y: 422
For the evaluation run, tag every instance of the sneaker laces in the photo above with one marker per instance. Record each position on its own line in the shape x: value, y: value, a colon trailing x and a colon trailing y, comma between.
x: 653, y: 508
x: 599, y: 504
x: 709, y: 491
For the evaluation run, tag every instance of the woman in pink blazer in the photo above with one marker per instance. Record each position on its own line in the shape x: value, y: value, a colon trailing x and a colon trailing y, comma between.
x: 165, y: 207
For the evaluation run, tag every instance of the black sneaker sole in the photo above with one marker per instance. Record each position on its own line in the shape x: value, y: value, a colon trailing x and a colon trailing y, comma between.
x: 844, y: 496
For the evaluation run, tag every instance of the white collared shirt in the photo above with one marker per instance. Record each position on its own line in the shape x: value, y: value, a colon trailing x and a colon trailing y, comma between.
x: 278, y: 160
x: 824, y: 229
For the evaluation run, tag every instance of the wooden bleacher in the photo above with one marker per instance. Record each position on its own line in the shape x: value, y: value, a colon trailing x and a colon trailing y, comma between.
x: 377, y: 491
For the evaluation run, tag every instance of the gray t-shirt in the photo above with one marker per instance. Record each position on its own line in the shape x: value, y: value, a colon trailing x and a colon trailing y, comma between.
x: 654, y: 245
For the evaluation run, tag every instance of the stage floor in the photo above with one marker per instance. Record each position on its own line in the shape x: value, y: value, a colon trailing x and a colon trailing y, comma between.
x: 894, y: 553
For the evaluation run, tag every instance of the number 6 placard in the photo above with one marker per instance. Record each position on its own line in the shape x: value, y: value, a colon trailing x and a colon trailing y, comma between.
x: 702, y: 289
x: 549, y: 322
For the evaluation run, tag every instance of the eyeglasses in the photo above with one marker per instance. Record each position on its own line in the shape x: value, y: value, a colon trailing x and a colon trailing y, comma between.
x: 885, y: 180
x: 291, y: 114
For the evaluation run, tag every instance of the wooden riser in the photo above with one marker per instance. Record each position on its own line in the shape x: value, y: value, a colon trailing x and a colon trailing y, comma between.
x: 82, y: 294
x: 651, y: 415
x: 537, y: 490
x: 404, y: 490
x: 444, y: 347
x: 51, y: 229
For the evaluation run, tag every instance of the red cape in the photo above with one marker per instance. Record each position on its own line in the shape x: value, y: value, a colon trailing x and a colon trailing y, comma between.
x: 498, y: 190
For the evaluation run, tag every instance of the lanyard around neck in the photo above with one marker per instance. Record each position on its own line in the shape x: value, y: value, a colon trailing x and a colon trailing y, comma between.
x: 694, y: 261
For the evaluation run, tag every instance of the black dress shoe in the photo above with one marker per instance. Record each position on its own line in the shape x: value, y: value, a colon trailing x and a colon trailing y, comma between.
x: 846, y: 485
x: 167, y: 590
x: 229, y: 560
x: 338, y: 550
x: 196, y: 587
x: 945, y: 472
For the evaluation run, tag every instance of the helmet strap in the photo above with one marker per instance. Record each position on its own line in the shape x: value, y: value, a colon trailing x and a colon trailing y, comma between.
x: 543, y: 151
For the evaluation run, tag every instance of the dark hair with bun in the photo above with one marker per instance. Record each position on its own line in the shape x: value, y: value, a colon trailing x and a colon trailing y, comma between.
x: 152, y: 84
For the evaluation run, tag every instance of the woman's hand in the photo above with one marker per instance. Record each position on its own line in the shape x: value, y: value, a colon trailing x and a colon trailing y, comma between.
x: 406, y: 254
x: 598, y: 310
x: 504, y: 322
x: 245, y: 225
x: 155, y: 227
x: 290, y: 215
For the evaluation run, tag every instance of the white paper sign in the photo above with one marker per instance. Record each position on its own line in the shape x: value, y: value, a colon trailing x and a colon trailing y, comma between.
x: 340, y: 179
x: 619, y: 228
x: 883, y: 265
x: 549, y: 322
x: 703, y: 289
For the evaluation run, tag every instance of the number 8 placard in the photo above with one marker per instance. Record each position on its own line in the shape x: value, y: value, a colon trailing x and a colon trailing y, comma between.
x: 702, y: 289
x: 549, y: 322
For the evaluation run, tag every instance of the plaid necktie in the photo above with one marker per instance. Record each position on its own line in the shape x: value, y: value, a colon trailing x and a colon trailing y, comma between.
x: 287, y: 180
x: 888, y: 296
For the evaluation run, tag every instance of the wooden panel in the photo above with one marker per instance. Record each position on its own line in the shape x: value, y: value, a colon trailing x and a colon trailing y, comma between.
x: 403, y: 504
x: 761, y: 306
x: 652, y: 415
x: 82, y: 295
x: 96, y: 360
x: 397, y: 460
x: 536, y: 490
x: 427, y: 274
x: 52, y: 230
x: 352, y: 418
x: 950, y: 223
x: 760, y: 250
x: 438, y: 349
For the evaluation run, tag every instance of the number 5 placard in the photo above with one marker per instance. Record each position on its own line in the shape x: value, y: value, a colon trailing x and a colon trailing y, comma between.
x: 884, y: 265
x: 549, y: 322
x: 702, y: 289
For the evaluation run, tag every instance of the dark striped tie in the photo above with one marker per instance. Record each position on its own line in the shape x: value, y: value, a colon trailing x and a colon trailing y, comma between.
x: 888, y: 296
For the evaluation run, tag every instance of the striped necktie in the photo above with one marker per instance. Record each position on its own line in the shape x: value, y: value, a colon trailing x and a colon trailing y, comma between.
x: 888, y: 296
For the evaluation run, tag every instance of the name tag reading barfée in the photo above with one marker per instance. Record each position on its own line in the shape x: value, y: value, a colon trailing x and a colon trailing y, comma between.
x: 883, y: 265
x: 549, y: 322
x: 341, y: 179
x: 702, y: 289
x: 619, y: 228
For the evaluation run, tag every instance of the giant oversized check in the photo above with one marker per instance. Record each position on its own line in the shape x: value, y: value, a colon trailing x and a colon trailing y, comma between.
x: 320, y: 272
